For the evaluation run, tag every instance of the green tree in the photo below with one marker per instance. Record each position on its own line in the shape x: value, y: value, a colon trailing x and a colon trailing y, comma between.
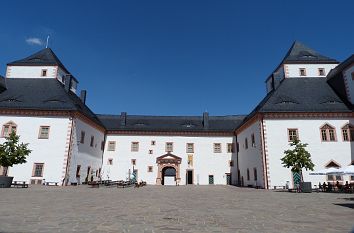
x: 13, y: 152
x: 297, y: 158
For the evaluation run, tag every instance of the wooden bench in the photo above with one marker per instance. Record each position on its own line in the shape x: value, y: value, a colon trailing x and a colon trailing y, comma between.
x: 94, y: 184
x: 20, y: 184
x: 51, y: 183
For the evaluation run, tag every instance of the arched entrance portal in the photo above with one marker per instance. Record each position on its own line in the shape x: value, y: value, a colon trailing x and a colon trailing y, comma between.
x: 168, y: 176
x: 168, y: 169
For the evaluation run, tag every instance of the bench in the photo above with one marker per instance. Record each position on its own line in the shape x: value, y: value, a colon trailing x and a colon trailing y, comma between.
x: 94, y: 184
x: 20, y: 184
x: 279, y: 187
x: 51, y: 183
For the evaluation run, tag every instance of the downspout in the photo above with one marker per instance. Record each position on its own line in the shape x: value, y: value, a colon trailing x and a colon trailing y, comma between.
x: 66, y: 177
x: 265, y: 171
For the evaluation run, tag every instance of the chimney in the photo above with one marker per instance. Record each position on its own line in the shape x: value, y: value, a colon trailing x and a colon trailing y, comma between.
x: 83, y: 96
x: 67, y: 82
x: 205, y: 120
x: 123, y: 119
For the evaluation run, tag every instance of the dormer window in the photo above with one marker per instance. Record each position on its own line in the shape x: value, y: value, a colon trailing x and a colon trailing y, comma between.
x: 44, y: 73
x: 328, y: 133
x: 321, y: 72
x: 302, y: 71
x: 348, y: 133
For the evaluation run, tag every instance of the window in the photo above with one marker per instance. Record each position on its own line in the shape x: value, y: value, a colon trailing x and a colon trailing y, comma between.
x: 135, y: 146
x: 292, y: 135
x: 44, y: 73
x: 321, y: 72
x: 4, y: 171
x: 110, y: 162
x: 82, y: 138
x: 246, y: 143
x: 133, y: 162
x: 348, y: 133
x: 43, y: 132
x: 255, y: 173
x: 169, y: 146
x: 190, y: 147
x: 248, y: 174
x: 78, y: 168
x: 230, y: 147
x: 38, y: 169
x: 302, y: 71
x: 253, y: 141
x: 92, y: 141
x: 231, y: 163
x: 111, y: 146
x: 217, y: 147
x: 8, y: 128
x: 153, y: 143
x: 211, y: 179
x: 328, y: 133
x: 334, y: 178
x: 150, y: 168
x: 151, y: 152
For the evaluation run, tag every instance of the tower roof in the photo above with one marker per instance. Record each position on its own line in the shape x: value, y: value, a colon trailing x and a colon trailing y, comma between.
x: 300, y: 53
x: 45, y: 57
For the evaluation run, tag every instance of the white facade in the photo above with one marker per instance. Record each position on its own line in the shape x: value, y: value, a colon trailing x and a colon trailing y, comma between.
x: 49, y: 152
x: 322, y: 152
x: 205, y: 162
x: 31, y: 71
x: 311, y: 70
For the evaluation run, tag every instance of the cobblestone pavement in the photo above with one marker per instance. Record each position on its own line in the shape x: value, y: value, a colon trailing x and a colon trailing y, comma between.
x: 172, y: 209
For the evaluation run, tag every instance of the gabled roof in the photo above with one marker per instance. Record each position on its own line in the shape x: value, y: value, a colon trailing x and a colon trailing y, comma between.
x: 42, y: 94
x: 302, y: 95
x: 171, y: 123
x: 301, y: 54
x: 45, y: 57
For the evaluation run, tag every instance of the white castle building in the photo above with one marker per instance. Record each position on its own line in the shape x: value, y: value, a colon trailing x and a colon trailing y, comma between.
x: 309, y: 97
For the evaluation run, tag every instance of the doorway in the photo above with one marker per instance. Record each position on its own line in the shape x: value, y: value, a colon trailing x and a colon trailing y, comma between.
x: 168, y: 176
x: 189, y: 177
x: 228, y: 178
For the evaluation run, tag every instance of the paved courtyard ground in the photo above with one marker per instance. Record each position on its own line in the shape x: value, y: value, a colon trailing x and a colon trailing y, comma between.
x: 172, y: 209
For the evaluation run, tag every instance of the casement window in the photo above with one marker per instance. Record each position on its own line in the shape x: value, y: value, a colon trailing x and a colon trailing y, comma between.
x: 43, y: 132
x: 253, y: 141
x: 190, y: 147
x: 217, y: 147
x: 248, y: 174
x: 153, y: 143
x: 230, y: 147
x: 293, y: 135
x: 348, y: 133
x: 38, y: 169
x: 151, y: 152
x: 92, y: 141
x: 133, y: 162
x: 328, y: 133
x: 211, y: 179
x: 8, y: 128
x: 44, y: 73
x: 110, y: 162
x: 246, y: 143
x: 255, y: 173
x: 231, y: 163
x: 321, y: 72
x: 82, y: 137
x: 169, y: 146
x: 78, y: 168
x: 135, y: 147
x: 150, y: 168
x: 111, y: 146
x: 302, y: 71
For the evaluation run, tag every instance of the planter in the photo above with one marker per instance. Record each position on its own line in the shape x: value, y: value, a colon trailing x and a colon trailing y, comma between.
x: 6, y: 181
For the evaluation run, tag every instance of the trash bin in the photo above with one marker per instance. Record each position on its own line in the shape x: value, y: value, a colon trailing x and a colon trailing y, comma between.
x: 306, y: 187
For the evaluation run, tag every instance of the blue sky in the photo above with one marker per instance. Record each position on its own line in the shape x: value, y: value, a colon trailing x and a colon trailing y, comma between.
x: 174, y: 57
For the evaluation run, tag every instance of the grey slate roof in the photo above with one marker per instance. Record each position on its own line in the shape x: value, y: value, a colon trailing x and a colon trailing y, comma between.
x: 171, y: 123
x: 302, y: 95
x: 44, y: 57
x: 301, y: 54
x: 41, y: 94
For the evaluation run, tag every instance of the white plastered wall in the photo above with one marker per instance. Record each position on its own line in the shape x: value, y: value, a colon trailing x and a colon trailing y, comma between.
x: 293, y: 70
x: 30, y: 71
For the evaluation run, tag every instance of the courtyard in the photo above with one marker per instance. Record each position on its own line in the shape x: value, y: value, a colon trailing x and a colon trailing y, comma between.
x: 172, y: 209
